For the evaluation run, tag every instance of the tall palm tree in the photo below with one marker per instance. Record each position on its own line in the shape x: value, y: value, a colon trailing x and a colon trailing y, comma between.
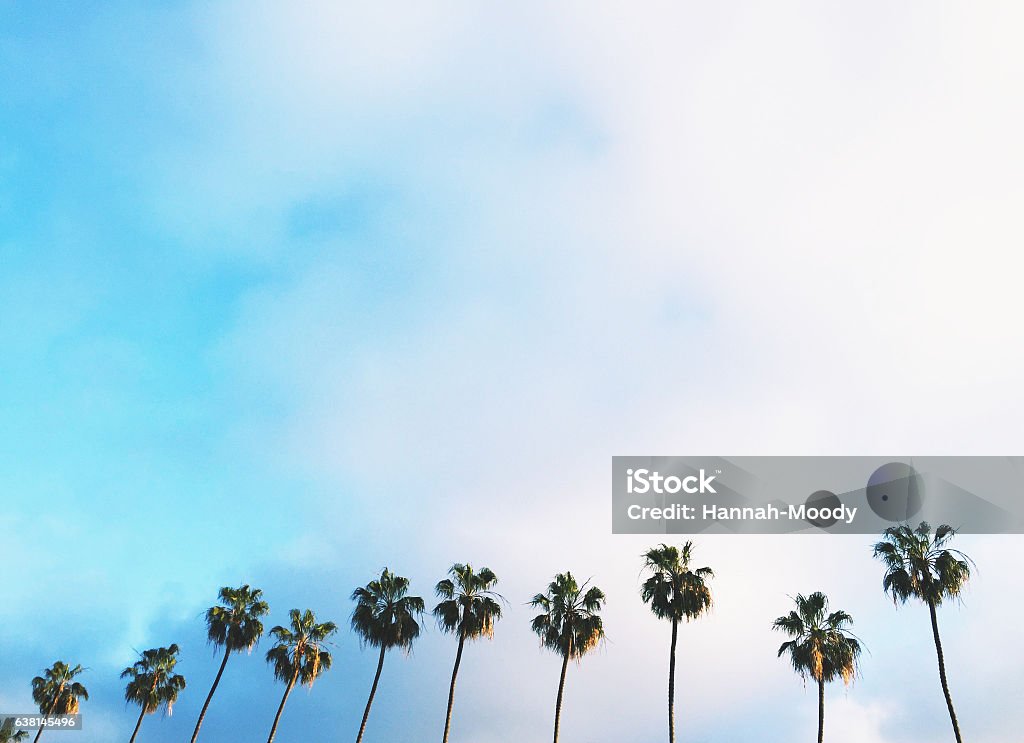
x: 56, y: 691
x: 570, y: 624
x: 675, y: 593
x: 919, y: 565
x: 385, y: 617
x: 298, y: 655
x: 8, y: 733
x: 153, y: 683
x: 822, y: 647
x: 235, y: 626
x: 469, y: 608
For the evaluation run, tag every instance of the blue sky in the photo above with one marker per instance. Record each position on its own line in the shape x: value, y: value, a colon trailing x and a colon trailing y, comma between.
x: 291, y: 293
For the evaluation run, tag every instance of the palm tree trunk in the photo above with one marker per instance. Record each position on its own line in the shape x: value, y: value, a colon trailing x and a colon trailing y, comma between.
x: 38, y: 734
x: 206, y: 704
x: 942, y: 672
x: 821, y: 710
x: 451, y: 689
x: 373, y: 690
x: 561, y: 690
x: 138, y: 724
x: 672, y: 684
x: 280, y: 708
x: 53, y: 706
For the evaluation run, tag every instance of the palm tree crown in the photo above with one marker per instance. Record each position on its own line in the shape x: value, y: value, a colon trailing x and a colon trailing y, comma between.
x: 570, y: 623
x: 56, y: 692
x: 469, y: 606
x: 823, y: 648
x: 236, y: 623
x: 8, y: 733
x: 920, y: 565
x: 385, y: 615
x: 673, y: 590
x: 298, y: 653
x: 153, y: 683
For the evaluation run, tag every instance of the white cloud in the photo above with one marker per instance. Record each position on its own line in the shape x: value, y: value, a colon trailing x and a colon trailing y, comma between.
x: 850, y: 722
x: 784, y: 204
x: 785, y: 229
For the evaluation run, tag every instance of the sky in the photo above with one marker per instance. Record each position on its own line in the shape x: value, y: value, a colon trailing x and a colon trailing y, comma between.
x: 291, y: 292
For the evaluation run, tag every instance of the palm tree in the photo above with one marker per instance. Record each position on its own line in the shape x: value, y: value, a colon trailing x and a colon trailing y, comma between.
x: 234, y: 625
x: 57, y: 693
x: 919, y: 565
x: 9, y: 735
x: 675, y: 593
x: 570, y: 624
x: 469, y: 608
x: 823, y: 648
x: 385, y: 617
x: 298, y: 655
x: 153, y: 683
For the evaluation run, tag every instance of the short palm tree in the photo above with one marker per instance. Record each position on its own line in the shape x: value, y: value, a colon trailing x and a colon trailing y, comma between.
x: 822, y: 647
x: 676, y: 593
x: 570, y: 624
x: 9, y: 734
x: 234, y: 625
x: 153, y: 683
x: 919, y: 565
x: 56, y: 691
x: 469, y: 607
x: 385, y: 617
x: 299, y: 655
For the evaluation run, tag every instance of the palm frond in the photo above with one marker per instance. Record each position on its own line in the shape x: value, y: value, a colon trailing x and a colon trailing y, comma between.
x: 299, y: 653
x: 153, y: 684
x: 673, y: 590
x: 919, y: 564
x: 57, y: 692
x: 570, y: 623
x: 385, y: 616
x: 822, y: 648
